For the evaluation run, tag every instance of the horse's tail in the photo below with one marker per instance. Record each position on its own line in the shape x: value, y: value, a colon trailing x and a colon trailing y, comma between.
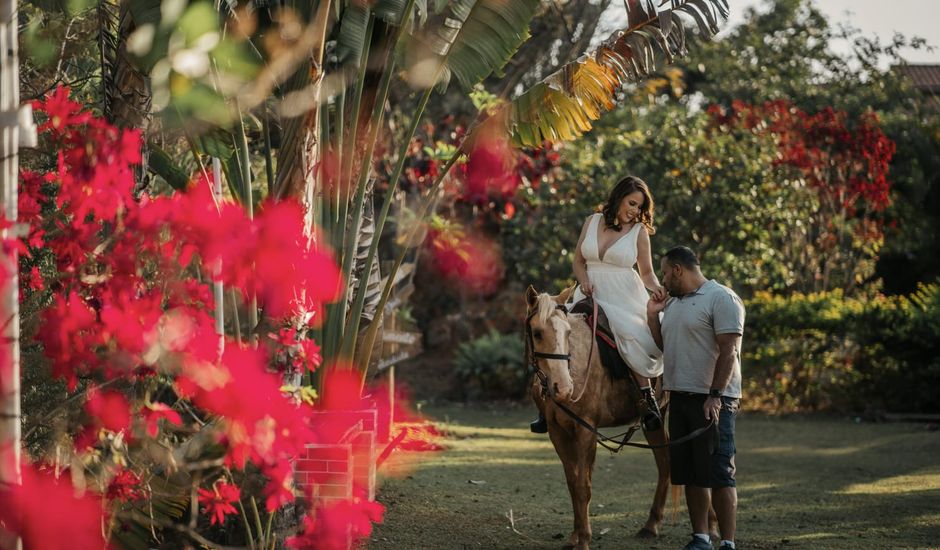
x: 675, y: 503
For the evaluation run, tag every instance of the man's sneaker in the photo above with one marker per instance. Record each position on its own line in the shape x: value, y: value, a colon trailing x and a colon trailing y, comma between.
x: 727, y: 547
x: 697, y: 544
x: 653, y: 419
x: 539, y: 426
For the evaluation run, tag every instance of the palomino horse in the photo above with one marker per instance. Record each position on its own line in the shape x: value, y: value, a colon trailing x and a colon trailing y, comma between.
x: 589, y: 392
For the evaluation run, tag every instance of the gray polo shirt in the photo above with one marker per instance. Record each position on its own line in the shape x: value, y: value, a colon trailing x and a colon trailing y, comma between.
x: 690, y: 326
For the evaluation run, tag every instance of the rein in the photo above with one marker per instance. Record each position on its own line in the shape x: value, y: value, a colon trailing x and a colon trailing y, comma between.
x: 615, y: 443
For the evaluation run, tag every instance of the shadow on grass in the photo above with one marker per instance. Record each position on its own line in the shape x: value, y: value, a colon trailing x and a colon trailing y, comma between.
x: 803, y: 482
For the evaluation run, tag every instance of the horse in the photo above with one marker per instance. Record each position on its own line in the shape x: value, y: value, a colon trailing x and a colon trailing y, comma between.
x: 590, y: 392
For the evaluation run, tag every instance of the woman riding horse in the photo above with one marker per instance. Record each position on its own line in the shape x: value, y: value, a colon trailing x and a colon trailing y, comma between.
x: 611, y: 244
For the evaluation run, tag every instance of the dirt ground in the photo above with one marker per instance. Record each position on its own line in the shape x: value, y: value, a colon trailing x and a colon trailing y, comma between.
x: 802, y: 482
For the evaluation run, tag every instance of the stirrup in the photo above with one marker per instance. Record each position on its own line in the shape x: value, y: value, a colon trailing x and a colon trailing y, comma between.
x: 539, y: 426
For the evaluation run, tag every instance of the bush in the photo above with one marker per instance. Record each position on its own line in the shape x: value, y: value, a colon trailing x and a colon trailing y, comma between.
x: 492, y: 366
x: 827, y: 351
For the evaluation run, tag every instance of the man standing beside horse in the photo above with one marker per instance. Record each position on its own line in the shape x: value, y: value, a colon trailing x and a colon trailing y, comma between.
x: 700, y: 334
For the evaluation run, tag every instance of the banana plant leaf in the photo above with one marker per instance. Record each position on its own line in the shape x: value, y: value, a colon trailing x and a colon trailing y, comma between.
x: 566, y: 103
x: 472, y: 39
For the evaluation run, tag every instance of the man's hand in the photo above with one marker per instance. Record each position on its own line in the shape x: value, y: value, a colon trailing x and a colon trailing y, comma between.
x: 712, y: 408
x: 654, y: 306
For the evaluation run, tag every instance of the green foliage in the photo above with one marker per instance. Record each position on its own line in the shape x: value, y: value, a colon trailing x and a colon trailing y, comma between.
x: 718, y: 193
x: 826, y: 350
x: 540, y: 239
x: 492, y: 366
x: 783, y: 51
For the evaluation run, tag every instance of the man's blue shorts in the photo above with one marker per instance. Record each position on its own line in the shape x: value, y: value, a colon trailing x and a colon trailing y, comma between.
x: 707, y: 460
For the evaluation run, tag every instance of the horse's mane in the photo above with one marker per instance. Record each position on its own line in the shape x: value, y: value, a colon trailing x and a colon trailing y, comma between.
x: 545, y: 306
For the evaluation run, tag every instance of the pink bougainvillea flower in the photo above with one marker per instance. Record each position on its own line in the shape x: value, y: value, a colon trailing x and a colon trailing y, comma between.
x: 467, y: 261
x: 152, y: 414
x: 46, y: 513
x: 219, y: 501
x: 109, y: 409
x: 333, y: 523
x: 280, y: 487
x: 490, y: 171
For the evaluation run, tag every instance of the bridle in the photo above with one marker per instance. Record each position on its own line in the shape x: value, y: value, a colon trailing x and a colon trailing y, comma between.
x: 534, y: 355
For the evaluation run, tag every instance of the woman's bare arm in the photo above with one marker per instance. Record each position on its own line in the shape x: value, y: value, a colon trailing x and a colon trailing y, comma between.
x: 580, y: 264
x: 644, y: 263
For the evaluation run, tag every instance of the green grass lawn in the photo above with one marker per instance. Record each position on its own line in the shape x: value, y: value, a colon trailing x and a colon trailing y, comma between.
x: 802, y: 483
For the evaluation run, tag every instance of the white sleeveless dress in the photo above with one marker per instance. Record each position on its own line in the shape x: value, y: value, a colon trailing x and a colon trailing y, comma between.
x: 619, y: 290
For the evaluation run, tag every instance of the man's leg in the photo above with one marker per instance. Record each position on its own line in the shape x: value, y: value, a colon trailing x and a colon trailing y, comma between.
x: 724, y: 494
x: 698, y: 499
x: 725, y: 501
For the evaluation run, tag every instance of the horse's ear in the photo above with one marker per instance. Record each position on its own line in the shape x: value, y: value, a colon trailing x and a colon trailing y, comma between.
x: 531, y: 296
x: 565, y: 294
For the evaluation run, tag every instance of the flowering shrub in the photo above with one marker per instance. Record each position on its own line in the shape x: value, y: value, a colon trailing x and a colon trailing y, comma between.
x: 174, y: 412
x: 845, y: 161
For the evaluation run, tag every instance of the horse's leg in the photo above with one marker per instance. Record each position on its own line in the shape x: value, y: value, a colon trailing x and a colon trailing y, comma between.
x: 564, y: 444
x: 577, y: 452
x: 657, y: 511
x: 585, y: 451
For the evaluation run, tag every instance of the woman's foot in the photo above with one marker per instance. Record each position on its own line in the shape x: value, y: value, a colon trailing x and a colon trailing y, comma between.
x: 539, y: 426
x: 653, y: 419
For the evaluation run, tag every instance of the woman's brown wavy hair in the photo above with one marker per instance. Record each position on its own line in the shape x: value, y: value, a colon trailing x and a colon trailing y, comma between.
x: 623, y: 188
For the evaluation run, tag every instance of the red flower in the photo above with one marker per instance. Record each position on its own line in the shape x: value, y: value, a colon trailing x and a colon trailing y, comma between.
x: 47, y: 514
x: 125, y: 487
x: 61, y: 110
x: 219, y: 501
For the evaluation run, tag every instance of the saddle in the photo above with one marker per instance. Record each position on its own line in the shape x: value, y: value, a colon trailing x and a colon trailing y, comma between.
x: 606, y: 342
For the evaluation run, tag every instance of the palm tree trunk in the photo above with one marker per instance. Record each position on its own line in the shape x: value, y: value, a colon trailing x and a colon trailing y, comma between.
x: 125, y: 88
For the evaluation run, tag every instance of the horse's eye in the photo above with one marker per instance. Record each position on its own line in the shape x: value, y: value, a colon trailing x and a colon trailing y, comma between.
x: 537, y: 334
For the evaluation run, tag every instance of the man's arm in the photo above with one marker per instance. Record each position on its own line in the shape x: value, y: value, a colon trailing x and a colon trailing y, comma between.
x: 653, y: 308
x: 728, y: 347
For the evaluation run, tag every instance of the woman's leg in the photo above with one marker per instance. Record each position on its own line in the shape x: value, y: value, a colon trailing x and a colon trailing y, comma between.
x: 653, y: 418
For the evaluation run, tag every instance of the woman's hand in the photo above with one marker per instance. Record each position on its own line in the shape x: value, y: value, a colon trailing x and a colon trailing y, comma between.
x: 588, y: 290
x: 659, y: 293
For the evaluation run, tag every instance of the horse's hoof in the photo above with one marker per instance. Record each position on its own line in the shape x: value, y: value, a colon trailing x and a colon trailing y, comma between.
x: 646, y: 533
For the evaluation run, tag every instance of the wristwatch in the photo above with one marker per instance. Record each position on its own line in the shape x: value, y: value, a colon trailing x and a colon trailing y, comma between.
x: 714, y: 392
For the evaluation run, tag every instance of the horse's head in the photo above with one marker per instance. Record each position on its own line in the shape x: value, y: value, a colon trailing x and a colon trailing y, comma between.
x: 548, y: 329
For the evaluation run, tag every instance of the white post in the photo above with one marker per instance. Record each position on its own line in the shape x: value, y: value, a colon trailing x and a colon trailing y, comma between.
x: 15, y: 123
x: 217, y: 284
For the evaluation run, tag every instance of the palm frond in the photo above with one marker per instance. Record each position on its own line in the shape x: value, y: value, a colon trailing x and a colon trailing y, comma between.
x: 352, y: 34
x: 472, y: 39
x: 564, y: 105
x: 391, y: 11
